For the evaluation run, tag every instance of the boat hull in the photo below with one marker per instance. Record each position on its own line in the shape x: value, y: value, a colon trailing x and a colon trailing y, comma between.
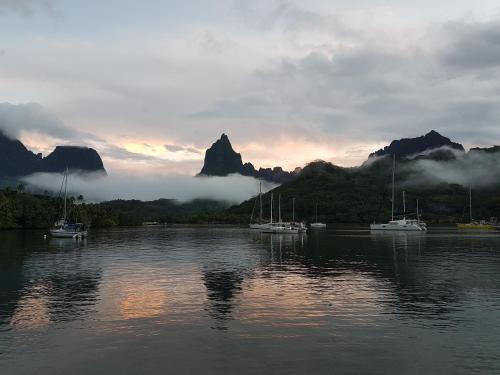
x: 398, y: 228
x: 280, y: 229
x: 318, y: 225
x: 67, y: 234
x: 471, y: 226
x: 259, y: 226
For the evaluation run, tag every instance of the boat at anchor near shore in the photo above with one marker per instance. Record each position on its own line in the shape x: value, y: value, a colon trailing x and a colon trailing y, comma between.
x: 477, y: 224
x: 402, y: 224
x: 280, y: 227
x: 63, y: 228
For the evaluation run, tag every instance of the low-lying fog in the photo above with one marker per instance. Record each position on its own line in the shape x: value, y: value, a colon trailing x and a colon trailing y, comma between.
x: 475, y: 169
x: 94, y: 188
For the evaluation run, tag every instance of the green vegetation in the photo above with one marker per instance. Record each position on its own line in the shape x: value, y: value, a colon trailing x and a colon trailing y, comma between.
x: 356, y: 195
x: 363, y: 195
x: 21, y: 210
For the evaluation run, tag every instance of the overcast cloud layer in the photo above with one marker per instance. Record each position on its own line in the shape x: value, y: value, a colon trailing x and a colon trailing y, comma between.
x: 151, y: 85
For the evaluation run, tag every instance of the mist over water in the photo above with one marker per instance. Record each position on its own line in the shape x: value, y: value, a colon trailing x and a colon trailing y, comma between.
x: 96, y: 188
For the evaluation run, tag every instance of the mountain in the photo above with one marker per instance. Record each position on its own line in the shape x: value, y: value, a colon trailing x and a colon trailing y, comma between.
x: 363, y: 194
x: 16, y: 160
x: 222, y: 160
x: 73, y: 157
x: 414, y: 146
x: 489, y: 150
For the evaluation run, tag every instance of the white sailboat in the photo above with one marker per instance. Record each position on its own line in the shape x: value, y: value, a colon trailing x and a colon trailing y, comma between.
x: 280, y: 226
x: 301, y: 226
x: 403, y: 224
x: 260, y: 225
x: 63, y: 228
x: 317, y: 224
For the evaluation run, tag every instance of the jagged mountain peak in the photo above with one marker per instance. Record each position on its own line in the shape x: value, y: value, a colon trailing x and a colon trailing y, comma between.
x: 222, y: 160
x: 413, y: 146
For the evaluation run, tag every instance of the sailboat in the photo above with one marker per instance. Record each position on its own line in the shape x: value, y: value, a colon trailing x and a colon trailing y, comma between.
x: 280, y: 226
x: 260, y: 225
x: 403, y: 224
x: 64, y: 228
x: 317, y: 224
x: 301, y: 226
x: 474, y: 224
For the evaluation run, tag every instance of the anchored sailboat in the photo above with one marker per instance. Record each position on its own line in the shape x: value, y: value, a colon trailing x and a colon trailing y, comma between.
x: 317, y: 224
x: 260, y: 225
x: 301, y: 226
x: 403, y: 224
x: 64, y: 228
x: 475, y: 224
x: 280, y: 226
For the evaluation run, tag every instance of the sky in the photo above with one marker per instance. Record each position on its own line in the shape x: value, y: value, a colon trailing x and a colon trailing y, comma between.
x: 152, y: 84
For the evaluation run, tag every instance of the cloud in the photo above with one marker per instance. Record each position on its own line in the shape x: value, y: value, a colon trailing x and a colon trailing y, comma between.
x: 174, y: 148
x: 235, y: 108
x: 27, y: 7
x: 303, y: 74
x: 476, y: 169
x: 177, y: 148
x: 193, y: 150
x: 120, y: 153
x: 232, y: 189
x: 32, y: 117
x: 472, y: 45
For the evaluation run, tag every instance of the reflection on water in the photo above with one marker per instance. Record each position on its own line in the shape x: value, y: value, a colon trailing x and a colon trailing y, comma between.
x: 222, y: 286
x: 343, y: 298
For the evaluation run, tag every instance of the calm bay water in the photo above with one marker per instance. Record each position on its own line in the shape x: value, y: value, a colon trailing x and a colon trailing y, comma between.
x: 226, y: 300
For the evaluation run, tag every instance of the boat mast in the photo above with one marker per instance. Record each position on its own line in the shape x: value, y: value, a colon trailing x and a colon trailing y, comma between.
x: 470, y: 203
x: 293, y: 209
x: 260, y: 199
x: 65, y: 193
x: 316, y: 212
x: 404, y: 205
x: 393, y: 173
x: 271, y: 208
x: 418, y: 216
x: 279, y: 208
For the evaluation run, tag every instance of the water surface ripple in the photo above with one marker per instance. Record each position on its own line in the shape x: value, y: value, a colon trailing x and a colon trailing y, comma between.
x: 227, y: 300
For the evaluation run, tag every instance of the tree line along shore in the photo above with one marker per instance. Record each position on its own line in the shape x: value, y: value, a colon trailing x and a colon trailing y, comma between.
x: 23, y: 210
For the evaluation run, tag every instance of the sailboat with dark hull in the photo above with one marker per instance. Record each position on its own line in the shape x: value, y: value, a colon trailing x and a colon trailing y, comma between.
x: 64, y: 228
